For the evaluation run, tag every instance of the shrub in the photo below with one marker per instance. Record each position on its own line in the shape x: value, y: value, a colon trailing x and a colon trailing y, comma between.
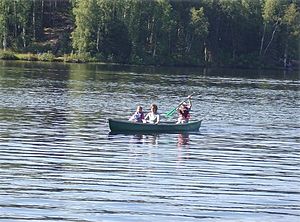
x: 30, y: 57
x: 78, y: 58
x: 7, y: 55
x: 46, y: 57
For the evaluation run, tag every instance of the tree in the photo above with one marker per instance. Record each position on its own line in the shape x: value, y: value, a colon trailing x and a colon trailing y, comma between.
x: 272, y: 17
x: 159, y: 29
x: 291, y: 22
x: 281, y: 19
x: 199, y: 25
x: 117, y: 45
x: 85, y: 16
x: 4, y: 18
x: 24, y: 8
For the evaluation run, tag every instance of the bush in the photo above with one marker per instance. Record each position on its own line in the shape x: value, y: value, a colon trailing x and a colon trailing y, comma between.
x: 100, y: 57
x: 28, y: 57
x: 46, y: 57
x: 137, y: 60
x: 7, y: 55
x: 78, y: 58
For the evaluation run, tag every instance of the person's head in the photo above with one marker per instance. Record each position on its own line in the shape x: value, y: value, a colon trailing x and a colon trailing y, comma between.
x: 183, y: 106
x: 154, y: 108
x: 139, y: 109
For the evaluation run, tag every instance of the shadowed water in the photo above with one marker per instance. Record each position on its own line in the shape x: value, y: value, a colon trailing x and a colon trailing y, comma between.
x: 58, y: 161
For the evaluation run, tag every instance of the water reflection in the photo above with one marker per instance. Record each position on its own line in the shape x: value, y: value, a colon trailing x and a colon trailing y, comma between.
x: 183, y: 139
x: 183, y: 142
x: 145, y: 139
x: 136, y: 138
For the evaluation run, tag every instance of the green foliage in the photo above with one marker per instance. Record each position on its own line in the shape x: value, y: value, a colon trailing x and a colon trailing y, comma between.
x: 272, y: 10
x: 159, y: 32
x: 85, y: 16
x: 78, y: 58
x: 4, y: 26
x: 7, y: 55
x: 118, y: 44
x: 291, y: 18
x: 46, y: 57
x: 199, y: 22
x: 64, y: 44
x: 29, y: 57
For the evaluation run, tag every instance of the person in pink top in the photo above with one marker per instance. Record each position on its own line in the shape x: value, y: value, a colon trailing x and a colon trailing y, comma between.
x: 138, y: 116
x: 184, y: 112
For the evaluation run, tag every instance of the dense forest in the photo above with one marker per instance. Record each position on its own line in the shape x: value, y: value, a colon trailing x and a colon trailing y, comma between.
x: 233, y: 33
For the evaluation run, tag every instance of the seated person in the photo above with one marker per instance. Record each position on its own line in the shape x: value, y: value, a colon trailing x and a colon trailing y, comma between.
x: 184, y: 112
x: 138, y: 116
x: 152, y: 116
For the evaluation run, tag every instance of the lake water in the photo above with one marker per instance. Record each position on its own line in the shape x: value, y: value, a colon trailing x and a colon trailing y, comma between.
x: 58, y: 161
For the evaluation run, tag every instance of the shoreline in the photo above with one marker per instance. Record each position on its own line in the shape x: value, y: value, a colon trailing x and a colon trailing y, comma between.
x: 86, y: 59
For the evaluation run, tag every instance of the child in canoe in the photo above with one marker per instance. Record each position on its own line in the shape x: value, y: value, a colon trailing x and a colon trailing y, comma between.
x: 184, y: 112
x: 138, y: 116
x: 153, y: 116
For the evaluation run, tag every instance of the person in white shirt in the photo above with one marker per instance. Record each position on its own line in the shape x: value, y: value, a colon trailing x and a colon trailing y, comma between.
x: 152, y: 116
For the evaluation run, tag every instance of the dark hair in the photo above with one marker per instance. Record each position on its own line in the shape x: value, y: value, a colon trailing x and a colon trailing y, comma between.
x: 154, y: 106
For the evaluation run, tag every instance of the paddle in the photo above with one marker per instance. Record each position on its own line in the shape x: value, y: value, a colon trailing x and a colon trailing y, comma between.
x: 171, y: 112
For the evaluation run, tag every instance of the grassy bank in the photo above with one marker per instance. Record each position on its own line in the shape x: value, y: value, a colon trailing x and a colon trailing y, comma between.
x: 46, y: 57
x: 86, y: 58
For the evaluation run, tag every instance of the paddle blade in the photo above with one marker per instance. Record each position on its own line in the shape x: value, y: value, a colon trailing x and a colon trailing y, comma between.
x: 171, y: 113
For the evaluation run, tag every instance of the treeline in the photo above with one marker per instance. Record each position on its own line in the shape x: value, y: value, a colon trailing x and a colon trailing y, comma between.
x: 239, y: 33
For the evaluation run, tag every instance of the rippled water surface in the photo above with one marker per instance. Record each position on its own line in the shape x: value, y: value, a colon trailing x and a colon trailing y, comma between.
x: 58, y: 161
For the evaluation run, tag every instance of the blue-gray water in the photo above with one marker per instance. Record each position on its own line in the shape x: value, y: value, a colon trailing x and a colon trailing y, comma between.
x: 58, y: 161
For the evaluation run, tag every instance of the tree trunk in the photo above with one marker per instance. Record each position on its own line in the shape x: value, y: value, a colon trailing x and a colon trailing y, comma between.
x: 24, y: 37
x: 33, y: 21
x: 15, y: 25
x: 188, y: 42
x: 151, y: 29
x: 262, y: 40
x: 98, y: 39
x: 4, y: 43
x: 42, y: 15
x: 273, y: 34
x: 285, y: 56
x: 169, y: 43
x: 205, y: 53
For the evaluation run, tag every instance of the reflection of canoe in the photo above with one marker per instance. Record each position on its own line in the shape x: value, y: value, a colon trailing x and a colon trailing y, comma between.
x: 117, y: 125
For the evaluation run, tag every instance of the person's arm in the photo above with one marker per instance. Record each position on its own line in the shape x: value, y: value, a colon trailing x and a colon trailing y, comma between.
x: 146, y: 117
x: 157, y: 119
x: 190, y: 103
x: 132, y: 117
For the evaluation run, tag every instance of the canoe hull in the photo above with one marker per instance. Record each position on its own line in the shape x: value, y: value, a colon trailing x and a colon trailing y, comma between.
x: 127, y: 126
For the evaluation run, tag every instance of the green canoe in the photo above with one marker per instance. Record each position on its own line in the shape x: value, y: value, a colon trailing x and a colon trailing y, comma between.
x: 117, y: 125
